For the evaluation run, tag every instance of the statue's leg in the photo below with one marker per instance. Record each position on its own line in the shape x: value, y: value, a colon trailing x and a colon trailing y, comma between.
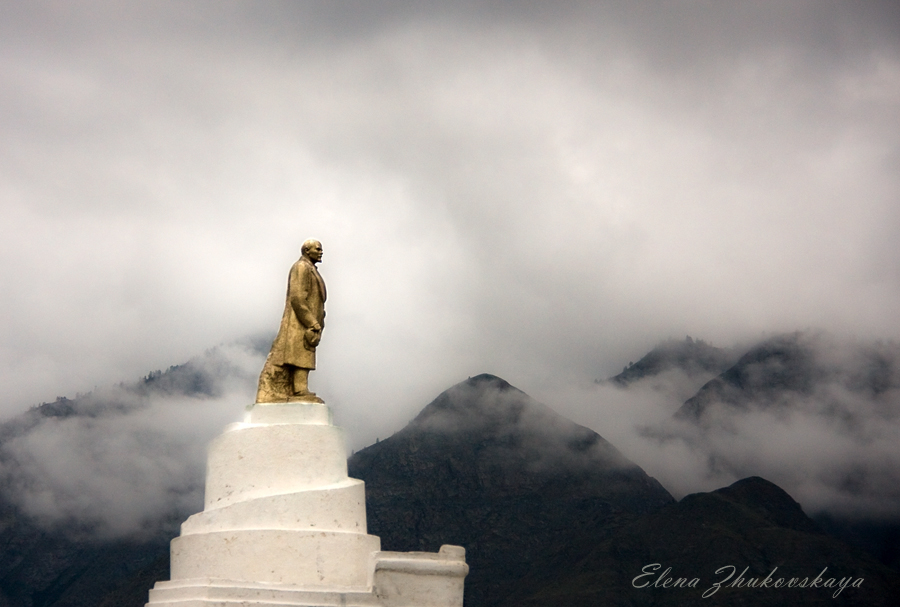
x: 301, y: 381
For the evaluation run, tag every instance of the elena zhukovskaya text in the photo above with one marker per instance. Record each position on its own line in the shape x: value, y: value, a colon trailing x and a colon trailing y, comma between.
x: 727, y: 577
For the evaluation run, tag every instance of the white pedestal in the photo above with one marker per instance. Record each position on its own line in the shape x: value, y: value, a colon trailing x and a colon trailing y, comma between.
x: 282, y: 525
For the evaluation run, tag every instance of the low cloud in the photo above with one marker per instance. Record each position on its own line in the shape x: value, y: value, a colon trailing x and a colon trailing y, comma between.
x: 833, y: 452
x: 126, y: 461
x: 834, y: 446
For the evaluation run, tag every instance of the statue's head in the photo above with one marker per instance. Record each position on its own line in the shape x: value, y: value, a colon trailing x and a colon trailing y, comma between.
x: 312, y: 250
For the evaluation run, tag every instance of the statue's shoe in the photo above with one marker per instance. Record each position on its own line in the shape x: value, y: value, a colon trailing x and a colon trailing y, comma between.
x: 305, y: 397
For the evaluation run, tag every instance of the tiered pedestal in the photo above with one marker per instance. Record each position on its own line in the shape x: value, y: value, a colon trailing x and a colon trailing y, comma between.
x: 283, y: 524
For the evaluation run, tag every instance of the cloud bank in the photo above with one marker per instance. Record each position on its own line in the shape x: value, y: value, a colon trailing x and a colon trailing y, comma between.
x: 538, y: 191
x: 127, y: 460
x: 821, y: 422
x: 534, y: 192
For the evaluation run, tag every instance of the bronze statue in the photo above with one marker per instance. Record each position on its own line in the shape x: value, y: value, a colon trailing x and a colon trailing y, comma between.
x: 285, y: 376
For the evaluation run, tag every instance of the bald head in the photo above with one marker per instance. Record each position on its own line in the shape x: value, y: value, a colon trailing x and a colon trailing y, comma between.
x: 312, y: 250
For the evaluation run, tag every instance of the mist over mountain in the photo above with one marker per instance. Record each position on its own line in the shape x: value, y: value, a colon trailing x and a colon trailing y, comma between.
x: 125, y: 461
x: 817, y: 414
x: 92, y: 488
x: 691, y: 357
x: 809, y: 366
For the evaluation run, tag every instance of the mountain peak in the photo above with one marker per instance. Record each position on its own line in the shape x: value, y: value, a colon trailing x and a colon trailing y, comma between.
x: 498, y: 382
x: 509, y: 440
x: 769, y: 501
x: 480, y: 401
x: 790, y: 367
x: 694, y: 357
x: 487, y: 467
x: 495, y: 417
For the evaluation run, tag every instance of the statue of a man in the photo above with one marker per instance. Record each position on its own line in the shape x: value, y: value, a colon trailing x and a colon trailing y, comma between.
x: 285, y: 376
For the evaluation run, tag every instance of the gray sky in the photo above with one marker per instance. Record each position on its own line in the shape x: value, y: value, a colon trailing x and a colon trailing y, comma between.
x: 542, y: 191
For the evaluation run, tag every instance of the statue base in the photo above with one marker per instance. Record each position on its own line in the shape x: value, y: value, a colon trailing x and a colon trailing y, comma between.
x: 283, y: 524
x: 398, y: 579
x: 304, y: 398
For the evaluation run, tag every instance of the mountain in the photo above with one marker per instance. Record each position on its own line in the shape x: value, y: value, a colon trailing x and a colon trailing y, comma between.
x: 819, y: 413
x: 781, y: 370
x: 692, y: 357
x: 752, y: 523
x: 550, y: 513
x: 41, y: 568
x: 487, y: 467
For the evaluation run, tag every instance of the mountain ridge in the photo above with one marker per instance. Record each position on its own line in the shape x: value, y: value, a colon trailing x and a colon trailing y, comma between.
x: 478, y: 475
x: 839, y: 397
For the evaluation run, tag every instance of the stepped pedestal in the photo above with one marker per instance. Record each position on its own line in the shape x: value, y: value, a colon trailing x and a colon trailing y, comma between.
x: 283, y: 524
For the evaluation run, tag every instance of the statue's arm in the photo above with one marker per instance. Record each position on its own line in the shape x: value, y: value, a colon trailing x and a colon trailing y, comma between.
x: 301, y: 283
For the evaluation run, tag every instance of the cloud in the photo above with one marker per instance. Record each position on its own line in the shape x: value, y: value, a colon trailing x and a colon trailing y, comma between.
x: 822, y: 423
x: 125, y: 461
x: 541, y: 192
x: 128, y: 461
x: 830, y: 465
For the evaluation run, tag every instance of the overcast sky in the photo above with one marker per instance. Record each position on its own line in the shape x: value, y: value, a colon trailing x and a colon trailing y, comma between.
x: 538, y: 190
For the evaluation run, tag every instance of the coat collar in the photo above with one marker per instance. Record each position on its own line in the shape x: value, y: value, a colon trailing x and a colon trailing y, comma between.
x: 318, y: 276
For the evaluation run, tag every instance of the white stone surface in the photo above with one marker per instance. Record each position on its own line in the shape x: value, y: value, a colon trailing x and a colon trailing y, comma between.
x: 206, y: 592
x: 284, y: 525
x: 304, y: 558
x: 338, y: 507
x: 289, y: 413
x: 256, y: 460
x: 420, y: 579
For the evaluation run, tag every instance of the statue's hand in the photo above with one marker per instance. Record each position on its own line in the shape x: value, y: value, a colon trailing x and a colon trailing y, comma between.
x: 313, y: 335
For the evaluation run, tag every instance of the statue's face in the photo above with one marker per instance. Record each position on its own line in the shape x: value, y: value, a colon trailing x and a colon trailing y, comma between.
x: 315, y: 252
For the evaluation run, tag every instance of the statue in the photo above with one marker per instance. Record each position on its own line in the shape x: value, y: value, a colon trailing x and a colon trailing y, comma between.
x: 285, y: 376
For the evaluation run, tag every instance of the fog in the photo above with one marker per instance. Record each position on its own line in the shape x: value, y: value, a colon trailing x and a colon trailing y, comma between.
x: 828, y: 434
x: 542, y: 192
x: 128, y: 460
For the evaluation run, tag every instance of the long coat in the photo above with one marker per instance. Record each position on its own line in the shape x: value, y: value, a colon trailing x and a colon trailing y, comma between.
x: 304, y: 305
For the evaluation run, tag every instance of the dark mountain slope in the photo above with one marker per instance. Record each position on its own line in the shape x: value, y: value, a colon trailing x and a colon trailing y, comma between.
x: 487, y: 467
x: 752, y: 523
x: 39, y: 568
